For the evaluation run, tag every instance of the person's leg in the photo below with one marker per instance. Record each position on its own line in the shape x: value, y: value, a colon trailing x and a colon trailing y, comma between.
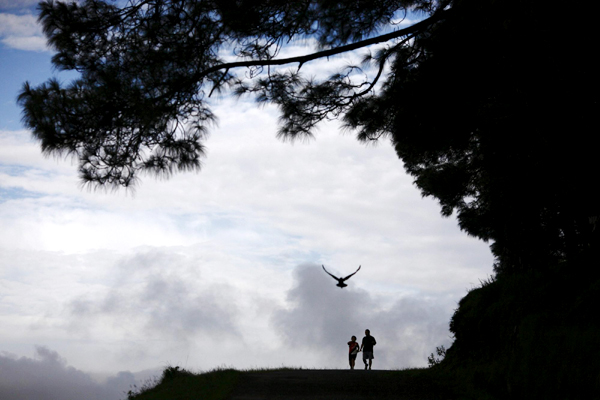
x: 368, y: 359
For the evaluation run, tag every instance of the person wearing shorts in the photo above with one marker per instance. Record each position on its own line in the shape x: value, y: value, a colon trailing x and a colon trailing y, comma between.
x: 367, y: 348
x: 353, y: 349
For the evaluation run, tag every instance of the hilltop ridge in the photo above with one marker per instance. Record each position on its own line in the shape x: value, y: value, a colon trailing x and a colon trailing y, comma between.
x: 295, y: 384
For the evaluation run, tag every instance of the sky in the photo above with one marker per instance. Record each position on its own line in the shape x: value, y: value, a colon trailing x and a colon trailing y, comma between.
x: 220, y: 268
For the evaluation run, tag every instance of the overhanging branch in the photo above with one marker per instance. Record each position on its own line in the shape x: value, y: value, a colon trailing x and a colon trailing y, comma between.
x: 326, y: 53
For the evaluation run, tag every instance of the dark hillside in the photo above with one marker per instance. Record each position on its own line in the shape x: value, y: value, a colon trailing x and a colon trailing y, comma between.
x: 296, y: 384
x: 337, y: 384
x: 533, y: 335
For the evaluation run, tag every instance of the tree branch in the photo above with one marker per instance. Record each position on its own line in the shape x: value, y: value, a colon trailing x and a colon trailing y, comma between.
x: 326, y: 53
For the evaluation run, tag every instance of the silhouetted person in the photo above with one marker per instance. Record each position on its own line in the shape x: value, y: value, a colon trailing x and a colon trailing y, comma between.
x: 353, y: 348
x: 341, y: 283
x: 367, y: 348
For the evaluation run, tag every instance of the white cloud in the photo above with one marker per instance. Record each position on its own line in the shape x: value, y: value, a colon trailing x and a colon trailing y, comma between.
x: 163, y: 295
x: 148, y: 308
x: 22, y: 32
x: 200, y: 270
x: 20, y: 25
x: 29, y: 43
x: 200, y: 308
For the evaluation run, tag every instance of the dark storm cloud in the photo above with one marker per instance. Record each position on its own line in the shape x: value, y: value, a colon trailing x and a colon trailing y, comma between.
x: 322, y: 318
x: 48, y: 377
x: 320, y: 311
x: 163, y: 292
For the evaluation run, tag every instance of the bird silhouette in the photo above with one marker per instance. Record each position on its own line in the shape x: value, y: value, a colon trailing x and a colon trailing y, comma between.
x: 341, y: 283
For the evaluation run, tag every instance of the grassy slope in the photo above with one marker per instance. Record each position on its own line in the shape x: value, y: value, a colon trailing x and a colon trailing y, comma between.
x: 178, y: 384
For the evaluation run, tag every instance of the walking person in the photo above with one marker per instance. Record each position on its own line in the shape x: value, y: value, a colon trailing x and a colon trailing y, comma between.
x: 353, y: 349
x: 367, y: 348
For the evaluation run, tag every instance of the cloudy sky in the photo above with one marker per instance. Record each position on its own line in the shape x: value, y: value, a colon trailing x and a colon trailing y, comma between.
x: 216, y: 268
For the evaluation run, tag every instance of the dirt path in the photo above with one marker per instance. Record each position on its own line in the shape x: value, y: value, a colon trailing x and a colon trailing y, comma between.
x: 332, y: 385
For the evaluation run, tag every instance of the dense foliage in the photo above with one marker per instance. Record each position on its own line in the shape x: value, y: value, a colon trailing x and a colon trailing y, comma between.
x: 147, y: 69
x: 496, y: 125
x: 529, y: 334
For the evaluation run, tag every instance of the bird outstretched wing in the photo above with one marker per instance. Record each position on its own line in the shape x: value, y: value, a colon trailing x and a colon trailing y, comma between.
x: 333, y: 276
x: 351, y: 273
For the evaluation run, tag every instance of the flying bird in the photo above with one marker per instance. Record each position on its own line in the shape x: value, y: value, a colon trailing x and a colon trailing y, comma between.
x: 341, y: 283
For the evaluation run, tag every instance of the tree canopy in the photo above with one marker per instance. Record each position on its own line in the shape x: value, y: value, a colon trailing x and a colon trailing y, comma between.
x: 489, y: 104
